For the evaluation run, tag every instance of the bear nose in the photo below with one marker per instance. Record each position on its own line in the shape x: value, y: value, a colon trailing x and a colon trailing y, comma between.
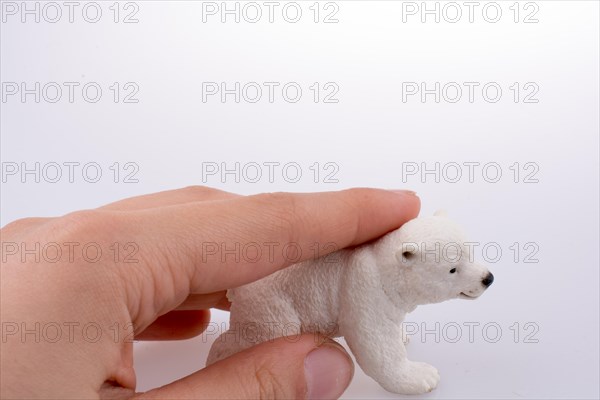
x: 487, y: 281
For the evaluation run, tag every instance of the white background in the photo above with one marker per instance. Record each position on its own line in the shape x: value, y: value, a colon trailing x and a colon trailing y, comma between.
x: 369, y: 135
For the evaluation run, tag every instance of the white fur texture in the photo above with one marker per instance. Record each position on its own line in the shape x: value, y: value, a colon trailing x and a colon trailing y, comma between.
x: 362, y: 294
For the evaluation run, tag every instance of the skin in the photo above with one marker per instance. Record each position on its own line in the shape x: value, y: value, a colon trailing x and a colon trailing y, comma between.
x: 168, y: 292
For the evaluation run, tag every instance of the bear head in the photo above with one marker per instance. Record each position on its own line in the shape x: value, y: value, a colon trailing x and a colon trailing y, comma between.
x: 429, y: 260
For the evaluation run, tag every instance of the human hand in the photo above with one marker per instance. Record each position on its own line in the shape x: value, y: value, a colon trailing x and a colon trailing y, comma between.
x: 50, y: 278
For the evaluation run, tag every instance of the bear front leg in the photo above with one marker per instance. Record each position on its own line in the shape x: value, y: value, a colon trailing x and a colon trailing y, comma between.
x: 383, y: 357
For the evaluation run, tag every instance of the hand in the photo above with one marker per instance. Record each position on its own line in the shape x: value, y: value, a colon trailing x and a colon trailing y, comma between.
x: 74, y: 286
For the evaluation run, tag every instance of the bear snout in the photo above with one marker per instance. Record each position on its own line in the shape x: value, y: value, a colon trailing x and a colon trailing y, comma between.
x: 489, y: 278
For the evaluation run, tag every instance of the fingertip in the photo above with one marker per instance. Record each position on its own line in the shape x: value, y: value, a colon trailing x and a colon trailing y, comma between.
x: 408, y: 204
x: 411, y: 202
x: 403, y: 191
x: 381, y: 211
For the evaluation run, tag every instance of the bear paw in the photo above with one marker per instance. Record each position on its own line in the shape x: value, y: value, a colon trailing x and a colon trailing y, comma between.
x: 415, y: 378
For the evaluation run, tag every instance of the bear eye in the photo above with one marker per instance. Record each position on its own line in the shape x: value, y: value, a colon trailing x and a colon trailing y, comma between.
x: 453, y: 270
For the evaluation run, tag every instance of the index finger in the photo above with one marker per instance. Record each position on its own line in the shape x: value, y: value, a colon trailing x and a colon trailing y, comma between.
x: 208, y: 247
x: 217, y: 243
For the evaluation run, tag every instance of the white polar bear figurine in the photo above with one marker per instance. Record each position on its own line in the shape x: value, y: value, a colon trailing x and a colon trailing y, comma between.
x: 362, y: 294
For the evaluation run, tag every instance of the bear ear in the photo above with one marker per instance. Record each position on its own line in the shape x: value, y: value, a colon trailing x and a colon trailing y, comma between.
x: 441, y: 213
x: 407, y: 253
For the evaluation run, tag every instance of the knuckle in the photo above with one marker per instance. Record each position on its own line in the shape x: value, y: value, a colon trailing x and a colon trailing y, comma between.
x: 268, y: 385
x: 87, y: 222
x: 24, y: 223
x: 81, y: 218
x: 197, y: 190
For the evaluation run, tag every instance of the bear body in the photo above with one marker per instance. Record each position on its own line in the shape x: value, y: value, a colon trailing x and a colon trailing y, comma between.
x: 362, y: 294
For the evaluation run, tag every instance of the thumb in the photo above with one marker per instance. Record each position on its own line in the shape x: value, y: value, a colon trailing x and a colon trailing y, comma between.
x: 300, y: 367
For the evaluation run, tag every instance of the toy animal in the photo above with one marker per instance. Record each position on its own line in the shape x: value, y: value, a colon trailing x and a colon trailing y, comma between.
x: 364, y: 293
